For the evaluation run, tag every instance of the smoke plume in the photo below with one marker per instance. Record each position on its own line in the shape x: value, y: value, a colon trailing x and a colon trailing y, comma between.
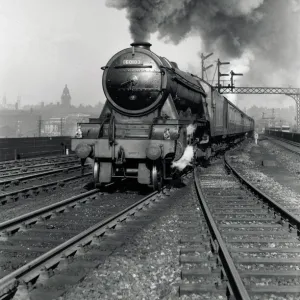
x: 230, y: 24
x: 266, y: 30
x: 185, y: 160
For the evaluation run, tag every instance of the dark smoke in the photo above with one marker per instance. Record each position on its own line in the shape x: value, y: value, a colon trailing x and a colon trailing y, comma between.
x: 267, y: 27
x: 260, y: 38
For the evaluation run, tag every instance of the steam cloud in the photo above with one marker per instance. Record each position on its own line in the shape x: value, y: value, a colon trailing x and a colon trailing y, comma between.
x: 188, y: 154
x: 264, y: 29
x: 191, y: 129
x: 185, y: 160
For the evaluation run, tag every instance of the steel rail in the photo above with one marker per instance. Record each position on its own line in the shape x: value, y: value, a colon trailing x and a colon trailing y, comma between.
x: 287, y: 141
x: 6, y: 197
x: 32, y: 270
x: 32, y: 216
x: 235, y: 281
x: 36, y: 159
x: 8, y: 181
x: 5, y: 175
x: 285, y: 215
x: 39, y: 166
x: 295, y: 144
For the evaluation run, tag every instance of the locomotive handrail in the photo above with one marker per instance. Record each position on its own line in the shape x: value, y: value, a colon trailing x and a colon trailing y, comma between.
x: 184, y: 81
x: 111, y: 130
x: 167, y: 68
x: 102, y: 124
x: 188, y: 84
x: 203, y: 80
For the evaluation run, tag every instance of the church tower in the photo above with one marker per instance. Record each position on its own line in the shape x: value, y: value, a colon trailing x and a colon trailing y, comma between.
x: 66, y: 97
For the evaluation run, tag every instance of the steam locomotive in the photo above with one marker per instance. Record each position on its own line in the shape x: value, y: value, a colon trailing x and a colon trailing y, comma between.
x: 153, y: 113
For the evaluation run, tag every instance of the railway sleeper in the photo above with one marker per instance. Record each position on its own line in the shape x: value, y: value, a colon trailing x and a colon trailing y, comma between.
x: 264, y: 226
x: 195, y: 273
x: 265, y: 250
x: 254, y: 219
x: 291, y: 274
x: 213, y: 289
x: 237, y: 213
x: 192, y: 259
x: 267, y: 261
x: 258, y: 233
x: 274, y: 289
x: 263, y: 240
x: 240, y: 209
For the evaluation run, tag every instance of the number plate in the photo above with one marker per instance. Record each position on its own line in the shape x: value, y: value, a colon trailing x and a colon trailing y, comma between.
x: 132, y: 62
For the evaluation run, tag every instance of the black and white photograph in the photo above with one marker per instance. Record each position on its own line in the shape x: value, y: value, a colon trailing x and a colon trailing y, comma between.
x: 150, y: 149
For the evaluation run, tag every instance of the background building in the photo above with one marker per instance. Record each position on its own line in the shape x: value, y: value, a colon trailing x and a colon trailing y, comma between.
x: 18, y: 123
x: 66, y: 126
x: 59, y: 119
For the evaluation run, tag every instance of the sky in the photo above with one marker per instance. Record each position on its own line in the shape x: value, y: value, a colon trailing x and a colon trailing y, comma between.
x: 45, y: 44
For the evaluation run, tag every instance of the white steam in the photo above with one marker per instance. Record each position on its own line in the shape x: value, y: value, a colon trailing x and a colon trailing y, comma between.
x: 188, y: 154
x: 191, y: 129
x: 243, y: 64
x: 185, y: 160
x: 240, y: 65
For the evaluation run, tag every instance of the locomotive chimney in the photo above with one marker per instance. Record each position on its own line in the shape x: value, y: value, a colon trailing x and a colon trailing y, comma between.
x: 144, y: 45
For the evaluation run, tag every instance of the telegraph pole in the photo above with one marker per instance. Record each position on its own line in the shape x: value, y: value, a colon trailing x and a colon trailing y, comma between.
x: 219, y: 63
x: 203, y: 68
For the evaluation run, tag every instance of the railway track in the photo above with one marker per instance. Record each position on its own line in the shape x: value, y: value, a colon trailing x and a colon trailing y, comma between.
x: 247, y: 243
x: 31, y: 179
x: 45, y: 250
x: 37, y: 161
x: 286, y: 144
x: 34, y: 169
x: 238, y: 243
x: 36, y: 190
